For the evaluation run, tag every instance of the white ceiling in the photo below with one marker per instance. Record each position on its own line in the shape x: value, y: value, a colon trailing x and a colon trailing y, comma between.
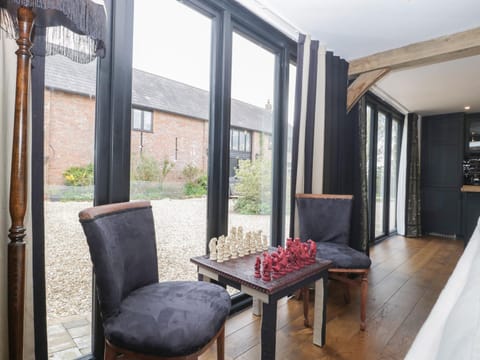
x: 356, y: 28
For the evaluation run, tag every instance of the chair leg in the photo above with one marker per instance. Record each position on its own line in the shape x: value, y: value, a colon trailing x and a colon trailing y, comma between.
x: 305, y: 295
x: 221, y: 345
x: 346, y: 291
x: 363, y: 302
x: 109, y: 353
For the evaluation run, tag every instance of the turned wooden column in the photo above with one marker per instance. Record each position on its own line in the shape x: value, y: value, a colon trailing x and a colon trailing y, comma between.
x: 18, y: 189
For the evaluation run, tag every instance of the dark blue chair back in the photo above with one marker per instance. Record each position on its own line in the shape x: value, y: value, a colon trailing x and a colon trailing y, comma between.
x: 121, y: 239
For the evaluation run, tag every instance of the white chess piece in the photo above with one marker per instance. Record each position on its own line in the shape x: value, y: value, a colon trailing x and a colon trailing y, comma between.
x: 226, y: 248
x: 241, y: 252
x: 220, y: 248
x: 233, y: 249
x: 258, y: 241
x: 265, y: 242
x: 212, y: 245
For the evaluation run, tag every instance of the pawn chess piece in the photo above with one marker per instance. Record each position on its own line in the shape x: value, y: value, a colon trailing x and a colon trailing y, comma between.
x: 257, y: 268
x: 267, y: 267
x: 212, y: 246
x: 265, y: 242
x: 226, y: 249
x: 233, y: 249
x: 258, y: 241
x: 252, y: 246
x: 220, y: 248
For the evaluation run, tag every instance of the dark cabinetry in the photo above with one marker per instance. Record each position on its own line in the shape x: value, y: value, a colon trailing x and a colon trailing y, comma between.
x: 471, y: 212
x: 442, y: 173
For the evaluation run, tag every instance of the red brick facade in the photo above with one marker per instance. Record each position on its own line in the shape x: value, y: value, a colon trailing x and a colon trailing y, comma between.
x: 69, y: 138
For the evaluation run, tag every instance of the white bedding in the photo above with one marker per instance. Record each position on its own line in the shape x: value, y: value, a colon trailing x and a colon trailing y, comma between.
x: 452, y: 330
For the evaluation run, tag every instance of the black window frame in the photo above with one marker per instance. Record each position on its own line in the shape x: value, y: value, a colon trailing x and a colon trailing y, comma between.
x: 378, y: 105
x: 113, y: 133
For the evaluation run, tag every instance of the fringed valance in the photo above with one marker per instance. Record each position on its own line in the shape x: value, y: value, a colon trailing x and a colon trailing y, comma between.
x: 74, y: 28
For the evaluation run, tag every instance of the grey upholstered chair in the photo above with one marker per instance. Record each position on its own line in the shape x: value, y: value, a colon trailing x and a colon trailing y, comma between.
x: 143, y: 318
x: 326, y: 220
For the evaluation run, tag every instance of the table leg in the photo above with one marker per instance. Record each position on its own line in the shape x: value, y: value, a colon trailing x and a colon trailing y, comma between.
x: 320, y: 312
x: 257, y: 307
x: 269, y: 330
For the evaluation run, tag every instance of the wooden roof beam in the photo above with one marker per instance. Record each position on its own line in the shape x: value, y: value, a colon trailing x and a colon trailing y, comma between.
x: 444, y: 48
x: 362, y: 84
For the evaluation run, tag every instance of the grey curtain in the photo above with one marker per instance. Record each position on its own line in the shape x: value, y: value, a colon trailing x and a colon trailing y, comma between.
x: 413, y: 200
x: 360, y: 216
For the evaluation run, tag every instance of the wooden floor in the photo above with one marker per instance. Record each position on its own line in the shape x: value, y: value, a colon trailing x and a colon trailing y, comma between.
x: 406, y: 278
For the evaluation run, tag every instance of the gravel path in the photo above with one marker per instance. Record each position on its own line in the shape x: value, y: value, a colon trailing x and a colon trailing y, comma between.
x: 180, y: 229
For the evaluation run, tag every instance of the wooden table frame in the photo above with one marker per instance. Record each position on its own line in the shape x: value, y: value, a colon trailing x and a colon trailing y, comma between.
x: 238, y: 273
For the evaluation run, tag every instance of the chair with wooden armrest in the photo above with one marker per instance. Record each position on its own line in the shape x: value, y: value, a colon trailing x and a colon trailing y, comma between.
x: 326, y: 220
x: 142, y: 317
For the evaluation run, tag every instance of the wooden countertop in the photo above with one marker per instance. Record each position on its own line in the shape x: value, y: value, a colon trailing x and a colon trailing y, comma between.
x: 470, y: 188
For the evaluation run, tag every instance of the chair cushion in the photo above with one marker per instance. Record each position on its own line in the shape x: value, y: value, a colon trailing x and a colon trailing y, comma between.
x: 343, y: 256
x: 169, y: 318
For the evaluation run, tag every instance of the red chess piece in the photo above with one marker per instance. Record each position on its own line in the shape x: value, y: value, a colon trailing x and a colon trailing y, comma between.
x: 267, y: 267
x: 257, y: 268
x: 312, y: 252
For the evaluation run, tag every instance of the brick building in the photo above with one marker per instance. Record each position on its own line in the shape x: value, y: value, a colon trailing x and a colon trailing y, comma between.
x: 169, y: 121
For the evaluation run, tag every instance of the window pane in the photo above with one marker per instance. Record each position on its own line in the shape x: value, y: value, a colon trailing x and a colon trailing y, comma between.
x: 394, y: 161
x: 248, y: 145
x: 137, y: 119
x: 147, y: 121
x: 169, y: 165
x: 251, y: 111
x: 69, y: 144
x: 235, y: 146
x: 242, y: 141
x: 380, y: 178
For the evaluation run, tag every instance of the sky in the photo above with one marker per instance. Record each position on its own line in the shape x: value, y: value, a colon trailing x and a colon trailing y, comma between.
x: 173, y: 41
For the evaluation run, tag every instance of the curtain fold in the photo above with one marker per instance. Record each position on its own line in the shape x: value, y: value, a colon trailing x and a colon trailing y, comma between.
x: 8, y: 67
x: 413, y: 198
x: 309, y: 123
x: 360, y: 216
x: 329, y: 147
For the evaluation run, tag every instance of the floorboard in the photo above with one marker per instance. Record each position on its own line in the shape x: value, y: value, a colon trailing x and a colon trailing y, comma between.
x: 406, y: 278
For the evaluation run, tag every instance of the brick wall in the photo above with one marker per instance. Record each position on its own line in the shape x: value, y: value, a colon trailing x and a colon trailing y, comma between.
x: 69, y: 137
x: 69, y: 133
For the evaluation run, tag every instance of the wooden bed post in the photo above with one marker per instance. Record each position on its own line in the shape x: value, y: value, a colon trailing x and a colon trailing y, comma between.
x: 18, y: 188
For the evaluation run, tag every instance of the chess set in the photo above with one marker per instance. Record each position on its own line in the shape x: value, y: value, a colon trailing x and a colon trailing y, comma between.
x: 270, y: 265
x: 295, y: 256
x: 237, y: 244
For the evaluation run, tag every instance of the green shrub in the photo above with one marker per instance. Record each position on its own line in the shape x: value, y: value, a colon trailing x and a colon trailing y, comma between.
x: 196, y: 184
x: 146, y: 168
x: 79, y: 175
x: 254, y: 187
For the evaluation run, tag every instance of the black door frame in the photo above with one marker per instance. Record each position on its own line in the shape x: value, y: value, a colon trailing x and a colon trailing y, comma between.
x: 377, y: 105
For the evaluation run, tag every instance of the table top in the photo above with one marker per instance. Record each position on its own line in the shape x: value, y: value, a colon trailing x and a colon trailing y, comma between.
x: 242, y: 270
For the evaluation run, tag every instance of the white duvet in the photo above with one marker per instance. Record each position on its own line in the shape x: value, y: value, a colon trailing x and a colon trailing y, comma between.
x: 452, y: 330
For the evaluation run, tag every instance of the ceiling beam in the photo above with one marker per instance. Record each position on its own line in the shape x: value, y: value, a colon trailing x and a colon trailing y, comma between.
x: 362, y: 84
x: 444, y: 48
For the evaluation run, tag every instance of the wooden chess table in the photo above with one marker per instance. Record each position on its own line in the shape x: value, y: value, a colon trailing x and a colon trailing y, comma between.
x: 239, y: 273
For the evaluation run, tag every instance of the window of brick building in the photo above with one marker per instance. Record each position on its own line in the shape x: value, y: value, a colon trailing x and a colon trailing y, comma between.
x: 142, y: 120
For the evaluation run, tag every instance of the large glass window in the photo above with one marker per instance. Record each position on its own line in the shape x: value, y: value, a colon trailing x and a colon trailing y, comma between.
x: 69, y: 128
x: 250, y: 207
x: 383, y: 158
x: 169, y: 165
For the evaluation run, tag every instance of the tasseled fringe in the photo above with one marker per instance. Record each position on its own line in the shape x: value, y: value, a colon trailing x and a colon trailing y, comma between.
x: 85, y: 17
